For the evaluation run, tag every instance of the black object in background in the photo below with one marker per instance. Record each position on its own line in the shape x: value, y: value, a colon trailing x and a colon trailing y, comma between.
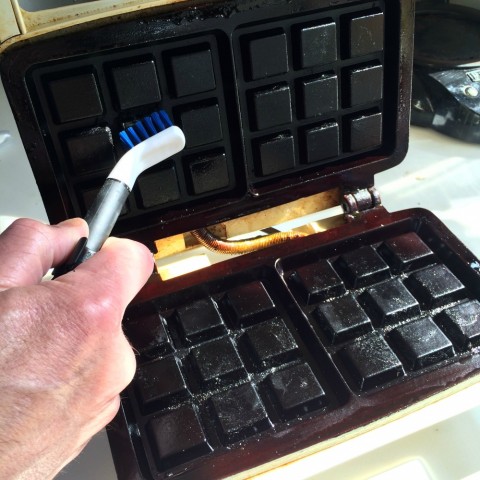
x: 446, y: 75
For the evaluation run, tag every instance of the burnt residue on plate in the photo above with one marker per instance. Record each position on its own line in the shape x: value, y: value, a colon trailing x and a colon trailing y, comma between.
x: 241, y: 371
x: 287, y: 351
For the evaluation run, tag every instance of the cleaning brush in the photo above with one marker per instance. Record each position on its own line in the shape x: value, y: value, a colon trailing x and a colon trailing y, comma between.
x: 150, y: 141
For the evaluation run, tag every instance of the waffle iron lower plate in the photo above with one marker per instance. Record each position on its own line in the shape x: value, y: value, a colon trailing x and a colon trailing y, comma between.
x: 279, y: 350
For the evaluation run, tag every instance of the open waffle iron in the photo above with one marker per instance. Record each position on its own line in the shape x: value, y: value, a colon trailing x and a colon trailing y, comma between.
x: 288, y: 108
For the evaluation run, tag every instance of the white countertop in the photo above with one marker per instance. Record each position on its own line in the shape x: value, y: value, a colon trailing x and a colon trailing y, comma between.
x: 439, y: 174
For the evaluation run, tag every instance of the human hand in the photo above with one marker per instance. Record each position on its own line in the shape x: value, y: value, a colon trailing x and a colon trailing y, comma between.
x: 63, y: 356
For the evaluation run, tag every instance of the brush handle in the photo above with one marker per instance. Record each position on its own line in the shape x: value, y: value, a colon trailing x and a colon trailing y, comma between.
x: 101, y: 218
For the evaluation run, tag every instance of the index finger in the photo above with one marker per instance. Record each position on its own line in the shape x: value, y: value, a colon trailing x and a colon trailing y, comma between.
x: 28, y: 249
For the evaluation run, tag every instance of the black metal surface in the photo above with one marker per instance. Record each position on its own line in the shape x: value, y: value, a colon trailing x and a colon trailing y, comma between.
x: 276, y: 100
x: 446, y: 36
x: 446, y: 77
x: 274, y: 352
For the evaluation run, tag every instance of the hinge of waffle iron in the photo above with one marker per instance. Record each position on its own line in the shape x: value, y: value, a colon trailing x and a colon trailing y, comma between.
x: 358, y: 201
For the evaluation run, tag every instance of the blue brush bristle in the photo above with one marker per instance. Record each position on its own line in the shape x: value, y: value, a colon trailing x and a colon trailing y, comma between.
x: 145, y: 128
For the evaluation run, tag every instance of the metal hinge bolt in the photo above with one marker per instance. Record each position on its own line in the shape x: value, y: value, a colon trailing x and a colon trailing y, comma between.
x: 360, y: 200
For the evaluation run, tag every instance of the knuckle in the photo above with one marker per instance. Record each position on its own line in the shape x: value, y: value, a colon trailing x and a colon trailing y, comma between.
x: 101, y: 312
x: 28, y: 233
x: 25, y: 223
x: 97, y: 312
x: 29, y: 225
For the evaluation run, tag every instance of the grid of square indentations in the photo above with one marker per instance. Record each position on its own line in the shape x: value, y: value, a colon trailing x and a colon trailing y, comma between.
x: 387, y: 309
x: 86, y: 102
x: 219, y: 370
x: 312, y: 89
x: 310, y: 92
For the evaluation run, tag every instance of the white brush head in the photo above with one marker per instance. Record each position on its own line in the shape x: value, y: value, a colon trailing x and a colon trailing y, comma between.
x: 148, y: 153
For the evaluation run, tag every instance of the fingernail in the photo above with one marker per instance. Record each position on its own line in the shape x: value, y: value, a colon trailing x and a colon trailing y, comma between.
x: 71, y: 222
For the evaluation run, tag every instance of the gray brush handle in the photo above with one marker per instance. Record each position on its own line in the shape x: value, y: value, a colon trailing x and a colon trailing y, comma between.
x: 101, y: 218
